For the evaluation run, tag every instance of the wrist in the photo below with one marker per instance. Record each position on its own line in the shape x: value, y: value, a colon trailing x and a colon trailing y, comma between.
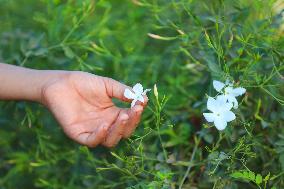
x: 47, y: 78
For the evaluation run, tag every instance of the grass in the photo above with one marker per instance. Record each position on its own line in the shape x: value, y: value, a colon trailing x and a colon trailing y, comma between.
x: 179, y: 45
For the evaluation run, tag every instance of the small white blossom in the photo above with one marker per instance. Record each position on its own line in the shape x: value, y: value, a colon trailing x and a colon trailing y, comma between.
x: 218, y: 86
x: 136, y: 95
x: 228, y: 92
x: 231, y: 93
x: 221, y: 112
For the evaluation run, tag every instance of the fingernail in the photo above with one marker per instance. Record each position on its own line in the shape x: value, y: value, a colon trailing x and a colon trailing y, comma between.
x: 139, y: 109
x: 138, y: 112
x: 124, y: 117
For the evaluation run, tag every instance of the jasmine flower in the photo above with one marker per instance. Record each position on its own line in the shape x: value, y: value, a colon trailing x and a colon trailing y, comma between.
x: 221, y: 112
x: 136, y: 95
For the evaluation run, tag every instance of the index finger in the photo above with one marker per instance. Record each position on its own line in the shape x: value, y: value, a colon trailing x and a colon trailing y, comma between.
x: 116, y: 89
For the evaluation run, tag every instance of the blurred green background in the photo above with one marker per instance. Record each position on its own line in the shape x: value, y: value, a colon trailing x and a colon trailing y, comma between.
x: 180, y: 45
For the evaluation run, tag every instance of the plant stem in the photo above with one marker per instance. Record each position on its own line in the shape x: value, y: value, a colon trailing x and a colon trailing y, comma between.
x: 190, y: 163
x: 158, y: 123
x: 159, y: 135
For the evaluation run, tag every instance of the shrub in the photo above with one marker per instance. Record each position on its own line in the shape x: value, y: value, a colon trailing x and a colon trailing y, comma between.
x: 180, y: 45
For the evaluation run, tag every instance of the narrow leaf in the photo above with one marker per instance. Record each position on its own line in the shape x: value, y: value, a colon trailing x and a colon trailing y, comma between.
x: 258, y: 179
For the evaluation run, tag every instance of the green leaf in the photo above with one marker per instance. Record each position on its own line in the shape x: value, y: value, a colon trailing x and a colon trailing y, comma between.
x: 246, y: 175
x: 251, y: 176
x: 237, y: 175
x: 38, y: 164
x: 117, y: 156
x: 155, y: 36
x: 68, y: 52
x: 40, y: 52
x: 214, y: 68
x: 266, y: 177
x: 273, y: 177
x: 258, y: 179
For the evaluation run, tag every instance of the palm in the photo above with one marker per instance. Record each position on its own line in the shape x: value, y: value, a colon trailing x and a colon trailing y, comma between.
x: 82, y: 103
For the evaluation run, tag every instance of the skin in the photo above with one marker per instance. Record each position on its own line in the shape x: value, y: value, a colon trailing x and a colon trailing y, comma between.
x: 81, y: 102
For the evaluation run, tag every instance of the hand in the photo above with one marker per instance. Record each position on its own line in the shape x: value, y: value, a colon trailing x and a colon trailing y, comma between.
x: 82, y: 104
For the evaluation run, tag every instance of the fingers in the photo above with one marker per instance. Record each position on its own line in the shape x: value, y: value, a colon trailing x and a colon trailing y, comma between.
x: 146, y: 99
x: 117, y: 129
x: 134, y: 118
x: 92, y: 139
x: 106, y: 134
x: 115, y: 89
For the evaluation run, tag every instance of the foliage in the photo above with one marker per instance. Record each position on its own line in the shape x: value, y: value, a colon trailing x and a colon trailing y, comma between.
x: 180, y: 45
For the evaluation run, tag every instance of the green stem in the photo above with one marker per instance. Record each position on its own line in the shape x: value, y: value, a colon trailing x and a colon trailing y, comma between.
x: 158, y: 123
x: 190, y: 163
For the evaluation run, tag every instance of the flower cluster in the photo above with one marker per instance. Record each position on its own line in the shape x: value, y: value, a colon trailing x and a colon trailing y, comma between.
x: 136, y: 94
x: 221, y: 105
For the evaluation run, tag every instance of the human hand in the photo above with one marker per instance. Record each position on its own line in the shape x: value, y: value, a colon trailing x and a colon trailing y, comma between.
x: 82, y: 104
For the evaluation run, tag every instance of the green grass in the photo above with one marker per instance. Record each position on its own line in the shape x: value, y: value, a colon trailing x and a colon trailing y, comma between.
x: 180, y: 45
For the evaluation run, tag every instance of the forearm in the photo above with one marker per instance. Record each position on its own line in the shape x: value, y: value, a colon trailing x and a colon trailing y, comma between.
x: 18, y: 83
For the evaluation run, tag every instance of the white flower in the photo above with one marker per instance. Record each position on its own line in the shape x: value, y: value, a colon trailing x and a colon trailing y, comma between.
x: 218, y: 86
x: 137, y: 94
x: 229, y: 93
x: 221, y: 113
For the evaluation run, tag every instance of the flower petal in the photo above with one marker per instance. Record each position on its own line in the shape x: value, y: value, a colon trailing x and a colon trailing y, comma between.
x: 229, y: 90
x: 212, y: 104
x: 129, y: 94
x: 210, y: 117
x: 138, y: 89
x: 229, y: 116
x: 145, y: 91
x: 238, y: 91
x: 221, y: 99
x: 233, y: 101
x: 236, y: 104
x: 218, y: 86
x: 140, y: 98
x: 133, y: 103
x: 223, y: 104
x: 220, y: 123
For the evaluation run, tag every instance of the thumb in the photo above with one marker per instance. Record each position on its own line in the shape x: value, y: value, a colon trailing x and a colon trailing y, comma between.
x: 116, y: 89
